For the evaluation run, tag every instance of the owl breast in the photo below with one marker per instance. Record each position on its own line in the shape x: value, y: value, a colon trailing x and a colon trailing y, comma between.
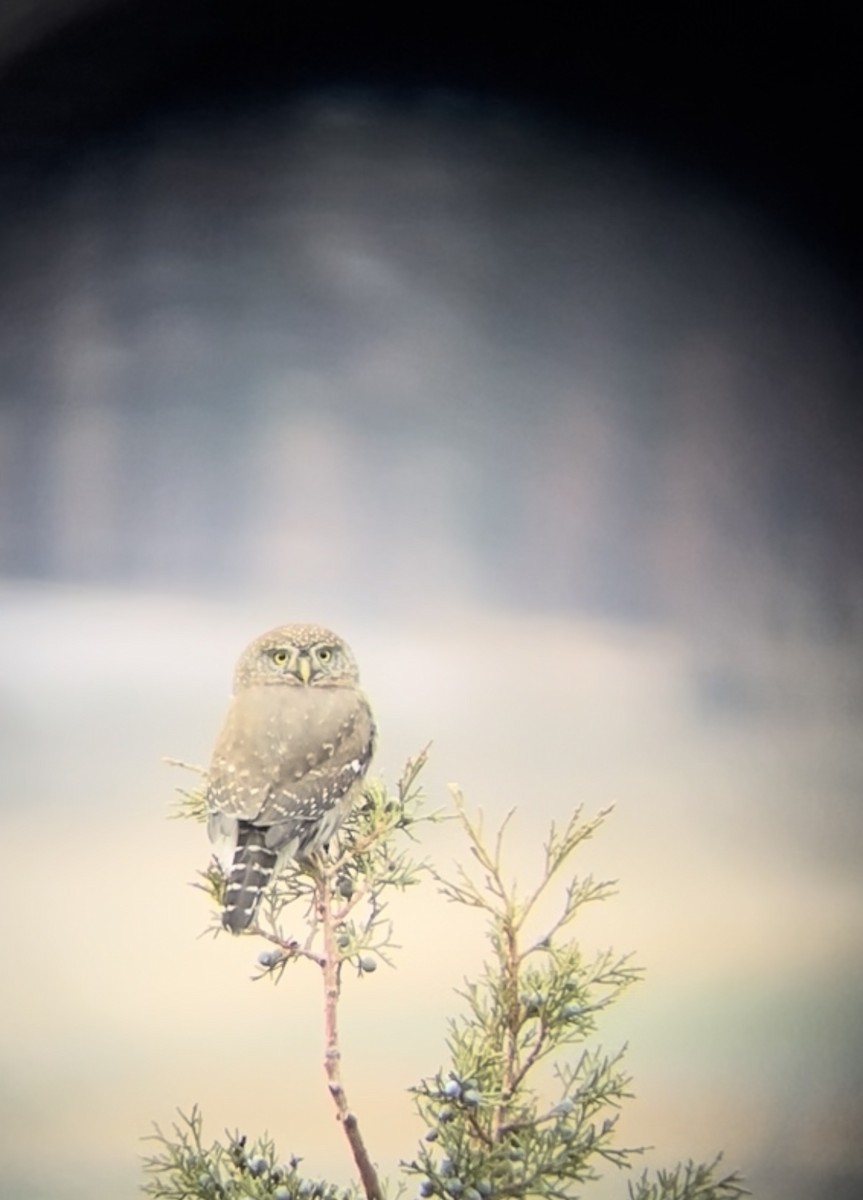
x: 289, y: 754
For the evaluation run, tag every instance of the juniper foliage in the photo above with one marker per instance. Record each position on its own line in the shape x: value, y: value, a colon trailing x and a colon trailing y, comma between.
x: 527, y: 1103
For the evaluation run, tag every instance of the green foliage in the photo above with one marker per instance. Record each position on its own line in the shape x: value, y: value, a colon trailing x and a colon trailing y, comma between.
x: 689, y: 1181
x: 527, y: 1105
x: 183, y: 1167
x: 491, y: 1129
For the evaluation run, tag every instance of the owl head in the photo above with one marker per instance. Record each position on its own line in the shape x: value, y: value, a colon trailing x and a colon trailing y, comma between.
x: 296, y: 656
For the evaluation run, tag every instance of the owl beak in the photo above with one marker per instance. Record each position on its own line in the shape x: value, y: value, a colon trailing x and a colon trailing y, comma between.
x: 304, y: 667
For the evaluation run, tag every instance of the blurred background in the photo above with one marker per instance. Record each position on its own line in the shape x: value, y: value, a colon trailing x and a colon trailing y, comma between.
x: 529, y: 360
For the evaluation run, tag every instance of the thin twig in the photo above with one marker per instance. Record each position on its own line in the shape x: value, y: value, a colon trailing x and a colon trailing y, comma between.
x: 529, y: 1060
x: 290, y: 946
x: 332, y: 1054
x: 186, y: 766
x: 509, y: 991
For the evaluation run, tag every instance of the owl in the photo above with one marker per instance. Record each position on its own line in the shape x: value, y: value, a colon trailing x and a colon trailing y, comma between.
x: 296, y: 743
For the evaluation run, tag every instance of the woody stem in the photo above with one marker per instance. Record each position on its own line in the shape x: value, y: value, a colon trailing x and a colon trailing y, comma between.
x: 331, y: 969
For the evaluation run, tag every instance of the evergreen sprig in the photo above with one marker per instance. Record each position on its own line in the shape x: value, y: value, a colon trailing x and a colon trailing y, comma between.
x: 527, y: 1105
x: 491, y: 1130
x: 183, y: 1167
x: 690, y: 1181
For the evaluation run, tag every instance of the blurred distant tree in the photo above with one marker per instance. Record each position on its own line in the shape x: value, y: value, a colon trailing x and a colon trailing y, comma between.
x: 525, y: 1105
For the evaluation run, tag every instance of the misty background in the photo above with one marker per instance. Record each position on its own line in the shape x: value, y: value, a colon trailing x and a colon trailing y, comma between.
x: 559, y: 425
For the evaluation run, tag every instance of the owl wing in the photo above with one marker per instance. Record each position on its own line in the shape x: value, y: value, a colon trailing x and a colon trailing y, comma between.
x: 286, y: 756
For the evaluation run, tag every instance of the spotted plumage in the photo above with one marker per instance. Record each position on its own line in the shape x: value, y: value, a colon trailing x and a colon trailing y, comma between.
x: 295, y: 745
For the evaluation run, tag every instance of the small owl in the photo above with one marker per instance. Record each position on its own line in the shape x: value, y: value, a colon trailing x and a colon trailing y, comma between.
x: 296, y: 743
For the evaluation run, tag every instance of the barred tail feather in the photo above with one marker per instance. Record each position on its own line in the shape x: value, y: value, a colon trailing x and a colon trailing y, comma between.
x: 251, y: 870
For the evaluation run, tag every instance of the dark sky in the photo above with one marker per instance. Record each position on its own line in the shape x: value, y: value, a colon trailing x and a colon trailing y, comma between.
x: 763, y: 98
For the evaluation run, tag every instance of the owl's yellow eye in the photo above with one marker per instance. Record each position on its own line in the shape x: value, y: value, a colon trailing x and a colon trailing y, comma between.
x: 324, y: 654
x: 280, y: 657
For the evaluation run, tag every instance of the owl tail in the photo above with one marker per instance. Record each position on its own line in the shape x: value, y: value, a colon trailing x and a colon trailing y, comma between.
x: 251, y: 870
